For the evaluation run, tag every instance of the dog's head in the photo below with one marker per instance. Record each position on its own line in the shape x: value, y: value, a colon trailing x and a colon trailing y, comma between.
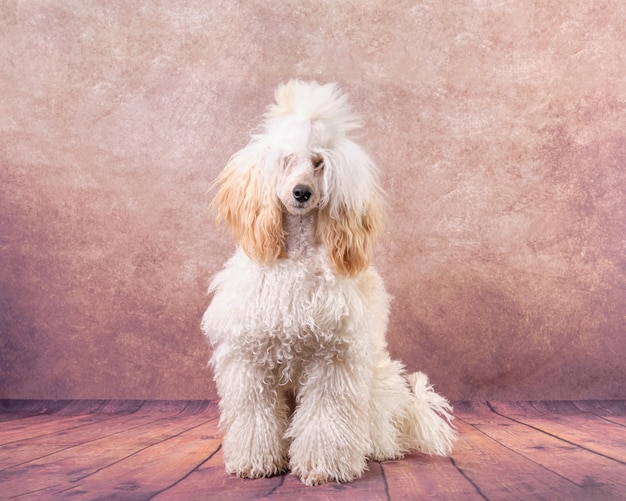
x: 304, y: 161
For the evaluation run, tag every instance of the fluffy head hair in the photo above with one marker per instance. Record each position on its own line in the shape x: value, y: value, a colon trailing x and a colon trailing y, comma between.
x: 308, y: 120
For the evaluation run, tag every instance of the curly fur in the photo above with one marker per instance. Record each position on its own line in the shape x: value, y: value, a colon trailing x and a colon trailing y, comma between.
x: 299, y: 313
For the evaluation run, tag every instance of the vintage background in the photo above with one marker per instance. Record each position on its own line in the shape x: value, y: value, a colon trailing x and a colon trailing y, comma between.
x: 500, y: 127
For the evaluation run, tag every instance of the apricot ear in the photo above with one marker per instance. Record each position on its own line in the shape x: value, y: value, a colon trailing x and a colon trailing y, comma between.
x: 251, y: 211
x: 349, y: 237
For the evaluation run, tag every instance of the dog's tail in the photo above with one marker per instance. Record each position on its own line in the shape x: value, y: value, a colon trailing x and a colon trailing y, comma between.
x: 429, y: 426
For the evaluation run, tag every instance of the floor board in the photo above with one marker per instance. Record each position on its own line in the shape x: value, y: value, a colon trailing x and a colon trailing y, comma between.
x: 172, y: 450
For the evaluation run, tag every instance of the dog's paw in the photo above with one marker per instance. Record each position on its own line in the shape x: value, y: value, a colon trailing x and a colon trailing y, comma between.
x: 317, y: 476
x: 385, y: 456
x: 312, y: 479
x: 257, y: 467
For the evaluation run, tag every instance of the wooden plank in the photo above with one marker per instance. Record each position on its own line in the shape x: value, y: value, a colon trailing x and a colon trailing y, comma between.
x: 27, y: 450
x: 571, y: 406
x: 12, y: 409
x: 172, y: 407
x: 32, y: 428
x: 170, y: 450
x: 612, y: 411
x: 49, y: 409
x: 211, y: 477
x: 35, y: 412
x: 43, y: 411
x: 20, y: 409
x: 39, y: 446
x: 586, y: 431
x: 419, y: 476
x: 41, y: 426
x: 148, y: 470
x: 84, y: 459
x: 597, y: 476
x: 499, y: 473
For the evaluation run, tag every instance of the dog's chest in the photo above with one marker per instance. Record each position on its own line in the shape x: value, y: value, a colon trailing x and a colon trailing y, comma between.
x: 291, y: 309
x: 299, y: 302
x: 281, y: 315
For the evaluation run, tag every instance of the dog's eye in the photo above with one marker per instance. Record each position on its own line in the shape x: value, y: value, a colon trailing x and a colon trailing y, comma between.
x: 288, y: 161
x: 318, y: 162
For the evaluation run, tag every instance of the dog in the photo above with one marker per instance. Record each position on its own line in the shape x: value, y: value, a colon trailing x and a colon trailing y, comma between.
x: 298, y: 316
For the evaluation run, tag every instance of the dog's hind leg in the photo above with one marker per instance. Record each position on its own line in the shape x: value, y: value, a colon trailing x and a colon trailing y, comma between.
x: 429, y: 418
x: 389, y: 398
x: 406, y: 414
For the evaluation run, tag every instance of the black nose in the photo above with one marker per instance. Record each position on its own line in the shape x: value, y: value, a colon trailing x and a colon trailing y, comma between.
x: 302, y: 192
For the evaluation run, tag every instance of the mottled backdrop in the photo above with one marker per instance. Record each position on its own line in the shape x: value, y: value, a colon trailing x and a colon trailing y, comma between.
x: 500, y: 127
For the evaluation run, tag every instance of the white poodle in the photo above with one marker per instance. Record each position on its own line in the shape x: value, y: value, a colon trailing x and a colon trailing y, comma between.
x: 298, y: 318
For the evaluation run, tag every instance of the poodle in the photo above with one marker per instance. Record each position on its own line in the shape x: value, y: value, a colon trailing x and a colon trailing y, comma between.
x: 298, y: 316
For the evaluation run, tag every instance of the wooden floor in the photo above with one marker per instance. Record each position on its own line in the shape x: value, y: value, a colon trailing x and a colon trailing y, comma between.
x: 172, y: 450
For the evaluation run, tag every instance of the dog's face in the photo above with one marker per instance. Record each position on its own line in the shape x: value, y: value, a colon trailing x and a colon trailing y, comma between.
x: 303, y: 163
x: 301, y: 186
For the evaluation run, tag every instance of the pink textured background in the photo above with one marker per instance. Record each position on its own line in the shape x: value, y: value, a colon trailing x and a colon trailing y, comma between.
x: 500, y: 128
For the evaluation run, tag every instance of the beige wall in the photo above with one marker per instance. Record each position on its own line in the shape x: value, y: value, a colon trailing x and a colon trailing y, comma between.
x: 499, y: 125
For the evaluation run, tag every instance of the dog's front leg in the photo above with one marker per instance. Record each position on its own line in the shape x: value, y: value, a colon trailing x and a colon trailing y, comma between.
x: 254, y: 417
x: 329, y: 429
